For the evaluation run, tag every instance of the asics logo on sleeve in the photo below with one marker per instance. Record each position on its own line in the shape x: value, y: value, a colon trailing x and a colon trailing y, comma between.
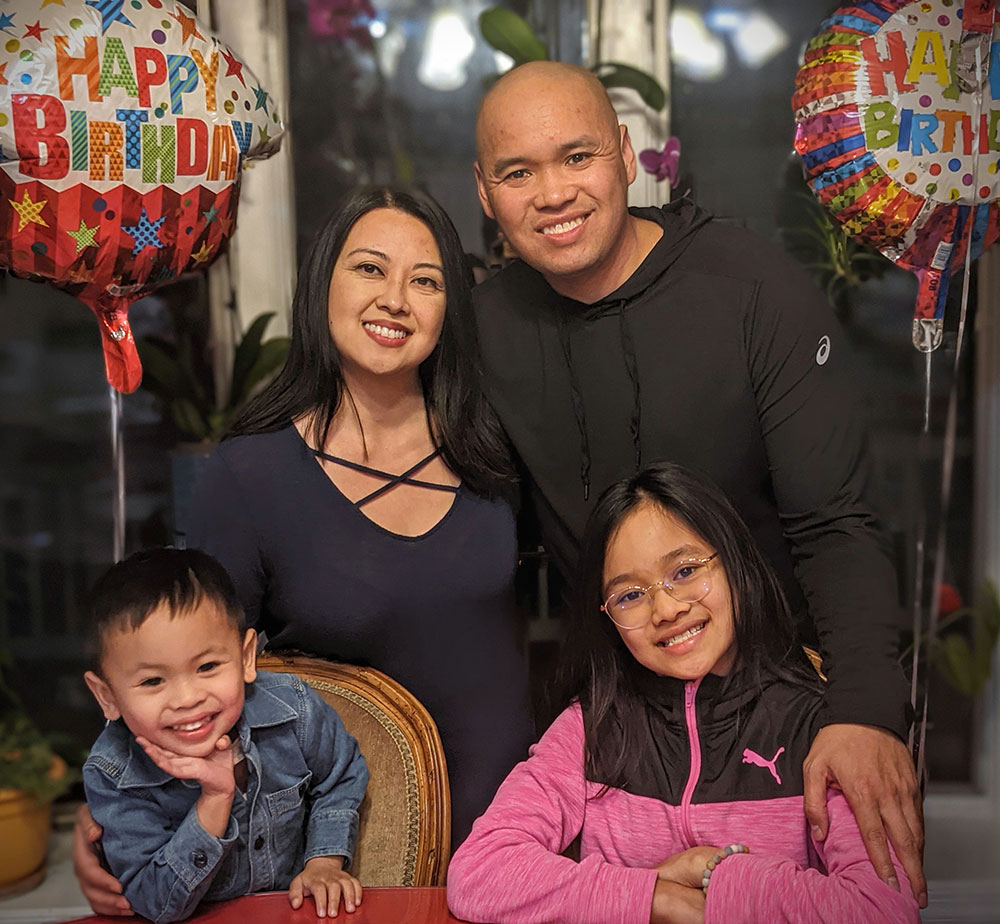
x: 752, y: 757
x: 823, y: 353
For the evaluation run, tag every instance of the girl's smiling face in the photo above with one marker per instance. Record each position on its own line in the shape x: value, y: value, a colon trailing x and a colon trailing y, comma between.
x: 682, y: 640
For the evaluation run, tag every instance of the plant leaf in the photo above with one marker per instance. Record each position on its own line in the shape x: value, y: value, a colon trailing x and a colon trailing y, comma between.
x: 954, y: 660
x: 189, y: 419
x: 985, y: 631
x: 614, y: 74
x: 505, y: 31
x: 245, y: 357
x: 405, y: 172
x: 217, y: 424
x: 190, y: 381
x: 160, y: 374
x: 28, y: 762
x: 270, y: 358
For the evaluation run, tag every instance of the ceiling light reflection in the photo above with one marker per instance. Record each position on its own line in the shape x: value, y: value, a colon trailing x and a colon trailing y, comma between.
x: 696, y: 52
x: 502, y: 62
x: 722, y: 19
x: 449, y: 44
x: 758, y: 38
x: 388, y: 48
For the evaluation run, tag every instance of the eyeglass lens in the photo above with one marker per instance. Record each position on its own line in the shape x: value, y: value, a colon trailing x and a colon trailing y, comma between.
x: 687, y: 583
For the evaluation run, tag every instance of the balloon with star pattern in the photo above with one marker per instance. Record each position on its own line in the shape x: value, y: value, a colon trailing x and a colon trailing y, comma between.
x: 124, y: 128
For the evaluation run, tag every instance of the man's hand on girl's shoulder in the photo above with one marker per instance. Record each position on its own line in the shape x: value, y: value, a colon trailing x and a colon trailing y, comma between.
x: 874, y: 771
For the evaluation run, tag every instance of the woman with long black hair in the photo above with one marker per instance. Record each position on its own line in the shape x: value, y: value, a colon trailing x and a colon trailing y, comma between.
x: 361, y: 504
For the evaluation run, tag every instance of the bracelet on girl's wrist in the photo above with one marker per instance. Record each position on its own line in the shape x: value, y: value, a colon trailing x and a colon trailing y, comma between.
x: 706, y: 876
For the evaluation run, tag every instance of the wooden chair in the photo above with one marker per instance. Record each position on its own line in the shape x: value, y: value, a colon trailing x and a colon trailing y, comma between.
x: 405, y: 827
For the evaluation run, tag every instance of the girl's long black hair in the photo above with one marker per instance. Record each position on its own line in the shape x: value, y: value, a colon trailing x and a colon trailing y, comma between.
x: 600, y: 672
x: 312, y: 381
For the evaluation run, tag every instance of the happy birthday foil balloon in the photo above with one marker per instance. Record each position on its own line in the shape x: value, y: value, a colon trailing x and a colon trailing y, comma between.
x: 124, y: 126
x: 898, y: 126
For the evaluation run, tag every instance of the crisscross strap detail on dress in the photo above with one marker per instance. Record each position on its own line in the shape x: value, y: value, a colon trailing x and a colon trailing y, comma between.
x: 391, y: 480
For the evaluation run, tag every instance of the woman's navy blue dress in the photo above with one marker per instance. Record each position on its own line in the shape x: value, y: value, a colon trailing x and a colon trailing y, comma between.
x: 433, y: 611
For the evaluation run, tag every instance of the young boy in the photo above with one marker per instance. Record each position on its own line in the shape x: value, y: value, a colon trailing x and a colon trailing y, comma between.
x: 211, y: 780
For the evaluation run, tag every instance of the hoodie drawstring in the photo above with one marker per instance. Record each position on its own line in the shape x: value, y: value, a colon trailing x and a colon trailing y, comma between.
x: 628, y: 350
x: 578, y: 411
x: 576, y: 395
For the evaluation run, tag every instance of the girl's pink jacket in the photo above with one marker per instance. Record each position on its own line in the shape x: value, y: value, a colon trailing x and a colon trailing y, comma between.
x: 510, y: 871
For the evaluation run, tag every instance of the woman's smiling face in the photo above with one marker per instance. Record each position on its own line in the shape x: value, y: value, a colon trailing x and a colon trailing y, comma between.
x: 386, y: 303
x: 682, y: 640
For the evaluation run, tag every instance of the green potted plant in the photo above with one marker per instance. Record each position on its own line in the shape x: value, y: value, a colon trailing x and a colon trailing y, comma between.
x: 962, y: 645
x: 836, y: 261
x: 959, y: 650
x: 32, y: 775
x: 178, y: 373
x: 175, y: 373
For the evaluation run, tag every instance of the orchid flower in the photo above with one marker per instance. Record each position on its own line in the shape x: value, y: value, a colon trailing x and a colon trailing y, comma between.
x: 663, y: 164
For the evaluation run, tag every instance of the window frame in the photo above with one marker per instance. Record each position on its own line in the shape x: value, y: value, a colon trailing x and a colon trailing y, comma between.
x: 981, y: 799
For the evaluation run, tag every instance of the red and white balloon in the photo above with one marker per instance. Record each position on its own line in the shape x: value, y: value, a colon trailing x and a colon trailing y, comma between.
x: 124, y: 127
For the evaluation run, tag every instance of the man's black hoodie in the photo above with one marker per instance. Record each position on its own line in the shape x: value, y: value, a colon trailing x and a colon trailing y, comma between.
x: 719, y: 354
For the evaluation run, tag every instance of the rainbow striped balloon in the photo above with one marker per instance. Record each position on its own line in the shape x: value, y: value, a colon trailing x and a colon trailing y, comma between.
x: 897, y: 108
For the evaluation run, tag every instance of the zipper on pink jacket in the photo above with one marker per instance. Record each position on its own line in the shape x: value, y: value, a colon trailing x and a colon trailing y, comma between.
x: 690, y: 691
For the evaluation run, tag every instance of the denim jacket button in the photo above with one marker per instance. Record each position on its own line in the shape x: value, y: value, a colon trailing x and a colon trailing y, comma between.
x: 259, y: 843
x: 199, y: 859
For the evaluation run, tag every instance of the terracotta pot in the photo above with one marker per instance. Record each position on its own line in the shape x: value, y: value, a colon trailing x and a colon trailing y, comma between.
x: 24, y: 833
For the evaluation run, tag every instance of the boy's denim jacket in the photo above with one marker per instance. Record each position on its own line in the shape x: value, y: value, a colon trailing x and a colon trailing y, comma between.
x: 307, y: 780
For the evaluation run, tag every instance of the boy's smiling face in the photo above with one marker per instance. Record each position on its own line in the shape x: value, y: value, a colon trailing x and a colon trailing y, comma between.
x: 177, y: 680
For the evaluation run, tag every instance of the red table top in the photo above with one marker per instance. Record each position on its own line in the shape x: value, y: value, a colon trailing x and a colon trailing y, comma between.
x: 378, y: 906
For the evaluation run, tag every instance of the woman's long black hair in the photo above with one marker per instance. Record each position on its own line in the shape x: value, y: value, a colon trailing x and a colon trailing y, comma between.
x: 600, y: 671
x: 312, y: 381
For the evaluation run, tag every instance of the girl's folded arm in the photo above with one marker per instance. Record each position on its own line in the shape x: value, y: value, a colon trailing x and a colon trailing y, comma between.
x: 748, y: 888
x: 510, y: 871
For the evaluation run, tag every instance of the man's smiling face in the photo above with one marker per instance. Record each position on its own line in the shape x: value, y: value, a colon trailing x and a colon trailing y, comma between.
x: 554, y: 168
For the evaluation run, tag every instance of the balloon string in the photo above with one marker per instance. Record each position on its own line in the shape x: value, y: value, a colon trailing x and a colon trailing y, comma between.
x: 923, y: 453
x: 948, y: 449
x: 118, y: 468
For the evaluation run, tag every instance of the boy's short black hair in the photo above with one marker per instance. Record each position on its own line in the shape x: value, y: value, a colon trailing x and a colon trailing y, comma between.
x: 128, y: 592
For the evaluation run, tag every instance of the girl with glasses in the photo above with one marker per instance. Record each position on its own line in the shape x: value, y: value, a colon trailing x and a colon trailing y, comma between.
x: 677, y: 760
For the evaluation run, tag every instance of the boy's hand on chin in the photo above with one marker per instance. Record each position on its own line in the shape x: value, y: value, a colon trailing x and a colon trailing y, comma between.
x: 325, y: 880
x: 214, y: 772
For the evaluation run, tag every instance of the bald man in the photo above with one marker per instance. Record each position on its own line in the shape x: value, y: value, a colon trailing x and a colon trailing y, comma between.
x: 624, y: 337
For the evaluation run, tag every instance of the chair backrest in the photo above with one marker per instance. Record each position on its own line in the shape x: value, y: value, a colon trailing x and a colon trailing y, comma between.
x: 405, y: 830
